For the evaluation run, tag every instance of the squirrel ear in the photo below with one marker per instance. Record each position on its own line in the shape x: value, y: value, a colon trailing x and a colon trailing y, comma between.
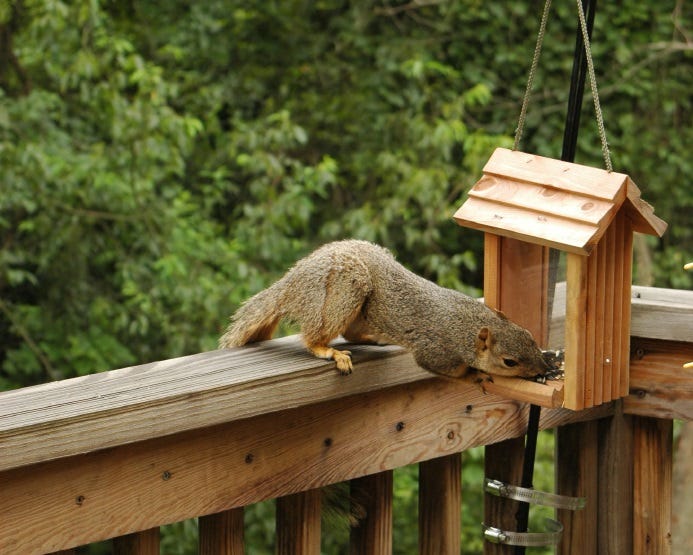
x: 483, y: 339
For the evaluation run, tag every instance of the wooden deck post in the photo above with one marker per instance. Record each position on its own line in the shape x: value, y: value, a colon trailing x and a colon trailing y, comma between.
x: 373, y: 534
x: 221, y: 533
x: 298, y: 523
x: 440, y: 512
x: 652, y: 451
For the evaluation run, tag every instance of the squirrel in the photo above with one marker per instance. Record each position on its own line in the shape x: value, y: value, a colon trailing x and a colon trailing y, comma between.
x: 358, y: 290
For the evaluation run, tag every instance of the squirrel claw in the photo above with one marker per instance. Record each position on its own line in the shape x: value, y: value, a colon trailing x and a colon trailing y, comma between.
x: 343, y: 360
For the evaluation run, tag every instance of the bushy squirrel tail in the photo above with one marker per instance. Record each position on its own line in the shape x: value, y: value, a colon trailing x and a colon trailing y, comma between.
x: 255, y: 320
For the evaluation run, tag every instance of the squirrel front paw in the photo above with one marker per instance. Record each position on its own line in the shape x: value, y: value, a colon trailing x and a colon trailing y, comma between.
x: 343, y: 360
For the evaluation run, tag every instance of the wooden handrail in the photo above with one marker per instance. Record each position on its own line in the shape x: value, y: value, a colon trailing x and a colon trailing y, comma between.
x: 128, y: 450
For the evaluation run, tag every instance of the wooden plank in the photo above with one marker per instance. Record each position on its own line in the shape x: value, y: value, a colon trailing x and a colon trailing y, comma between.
x: 528, y: 226
x: 492, y: 263
x: 641, y: 213
x: 626, y: 306
x: 611, y: 257
x: 575, y: 338
x: 221, y: 533
x: 440, y: 516
x: 615, y: 497
x: 539, y: 199
x: 591, y: 324
x: 523, y: 279
x: 298, y: 523
x: 372, y: 535
x: 656, y: 313
x: 84, y: 414
x: 502, y: 461
x: 550, y: 172
x: 576, y: 475
x: 139, y: 543
x: 662, y: 313
x: 620, y: 327
x: 549, y: 395
x: 652, y: 453
x: 65, y: 503
x: 659, y: 385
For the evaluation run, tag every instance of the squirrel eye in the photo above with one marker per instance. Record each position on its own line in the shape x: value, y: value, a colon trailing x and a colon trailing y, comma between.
x: 509, y: 362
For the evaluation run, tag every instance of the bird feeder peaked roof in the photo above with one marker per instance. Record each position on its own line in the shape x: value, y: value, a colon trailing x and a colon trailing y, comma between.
x: 553, y: 203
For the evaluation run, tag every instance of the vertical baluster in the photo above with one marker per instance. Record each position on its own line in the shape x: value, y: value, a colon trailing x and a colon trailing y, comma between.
x: 440, y: 488
x: 139, y: 543
x: 298, y: 523
x: 373, y: 534
x: 222, y: 533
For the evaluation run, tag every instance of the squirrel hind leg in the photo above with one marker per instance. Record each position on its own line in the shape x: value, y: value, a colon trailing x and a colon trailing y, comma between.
x: 342, y: 358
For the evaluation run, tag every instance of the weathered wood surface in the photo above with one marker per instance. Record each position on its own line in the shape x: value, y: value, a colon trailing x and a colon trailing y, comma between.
x: 116, y: 491
x: 132, y: 404
x: 656, y: 313
x: 145, y: 542
x: 577, y: 476
x: 372, y: 534
x: 440, y: 502
x: 298, y: 523
x: 659, y: 385
x: 552, y: 203
x: 548, y: 395
x: 221, y: 533
x: 652, y: 453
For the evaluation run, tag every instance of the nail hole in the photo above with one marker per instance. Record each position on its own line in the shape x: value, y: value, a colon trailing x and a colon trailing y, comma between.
x: 400, y: 426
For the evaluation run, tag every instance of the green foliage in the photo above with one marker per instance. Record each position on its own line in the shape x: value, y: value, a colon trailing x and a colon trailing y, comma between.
x: 160, y: 162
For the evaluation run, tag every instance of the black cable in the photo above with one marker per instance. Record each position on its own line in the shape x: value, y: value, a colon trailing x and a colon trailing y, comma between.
x: 577, y: 85
x: 522, y: 515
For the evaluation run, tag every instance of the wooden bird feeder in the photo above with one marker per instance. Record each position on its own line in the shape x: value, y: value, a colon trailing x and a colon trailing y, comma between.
x: 527, y: 203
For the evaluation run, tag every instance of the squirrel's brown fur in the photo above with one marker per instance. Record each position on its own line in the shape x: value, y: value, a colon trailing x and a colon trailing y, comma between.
x: 358, y: 290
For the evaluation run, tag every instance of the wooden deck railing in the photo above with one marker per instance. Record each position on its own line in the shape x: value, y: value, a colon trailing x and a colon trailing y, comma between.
x: 118, y: 454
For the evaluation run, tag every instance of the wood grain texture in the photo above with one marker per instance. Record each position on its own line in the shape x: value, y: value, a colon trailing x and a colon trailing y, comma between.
x: 659, y: 385
x: 652, y: 452
x: 221, y: 533
x: 69, y: 502
x: 615, y: 496
x: 131, y: 404
x: 502, y: 461
x: 373, y: 533
x: 552, y: 203
x: 440, y: 516
x: 548, y: 395
x: 145, y: 542
x: 575, y: 331
x: 298, y: 523
x: 557, y: 174
x: 577, y: 476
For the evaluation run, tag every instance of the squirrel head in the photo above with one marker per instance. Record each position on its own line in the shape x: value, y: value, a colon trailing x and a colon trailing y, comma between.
x: 508, y: 350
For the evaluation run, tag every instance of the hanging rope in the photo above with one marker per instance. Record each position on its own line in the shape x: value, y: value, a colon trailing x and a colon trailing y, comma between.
x: 590, y: 70
x: 593, y: 86
x: 532, y: 72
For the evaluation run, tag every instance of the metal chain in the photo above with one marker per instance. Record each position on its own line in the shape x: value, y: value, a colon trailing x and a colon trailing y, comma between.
x: 532, y: 72
x: 593, y: 86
